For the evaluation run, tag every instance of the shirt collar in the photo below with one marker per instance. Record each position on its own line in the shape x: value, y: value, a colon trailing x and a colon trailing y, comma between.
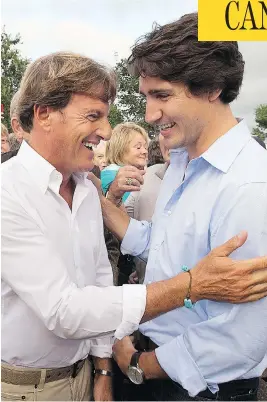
x: 223, y: 152
x: 42, y: 172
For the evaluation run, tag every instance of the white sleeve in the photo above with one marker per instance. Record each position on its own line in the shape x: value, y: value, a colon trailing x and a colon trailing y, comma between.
x: 36, y: 273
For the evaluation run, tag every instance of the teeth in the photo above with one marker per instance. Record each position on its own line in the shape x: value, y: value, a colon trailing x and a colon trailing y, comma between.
x: 166, y: 126
x: 88, y: 145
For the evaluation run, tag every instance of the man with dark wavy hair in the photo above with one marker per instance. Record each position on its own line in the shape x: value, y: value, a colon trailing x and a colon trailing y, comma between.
x: 216, y: 184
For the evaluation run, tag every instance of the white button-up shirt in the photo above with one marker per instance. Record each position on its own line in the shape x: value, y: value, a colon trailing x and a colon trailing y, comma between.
x: 55, y: 309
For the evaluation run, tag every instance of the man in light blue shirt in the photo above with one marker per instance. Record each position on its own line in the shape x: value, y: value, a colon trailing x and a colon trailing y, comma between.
x: 216, y: 185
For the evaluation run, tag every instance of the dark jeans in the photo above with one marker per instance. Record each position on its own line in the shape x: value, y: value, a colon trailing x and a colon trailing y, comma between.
x: 167, y: 390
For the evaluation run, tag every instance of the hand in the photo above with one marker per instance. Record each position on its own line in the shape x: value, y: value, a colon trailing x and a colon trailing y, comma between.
x: 119, y: 185
x: 218, y: 277
x: 103, y: 388
x: 122, y: 353
x: 133, y: 278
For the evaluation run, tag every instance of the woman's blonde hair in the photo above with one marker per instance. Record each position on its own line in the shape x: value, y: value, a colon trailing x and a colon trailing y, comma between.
x: 121, y: 136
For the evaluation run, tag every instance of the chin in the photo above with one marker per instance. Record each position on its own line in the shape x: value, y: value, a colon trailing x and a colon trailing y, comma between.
x: 86, y: 167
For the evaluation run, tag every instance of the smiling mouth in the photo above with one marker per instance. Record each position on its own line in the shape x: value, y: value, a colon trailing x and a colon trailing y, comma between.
x: 163, y: 127
x: 88, y: 145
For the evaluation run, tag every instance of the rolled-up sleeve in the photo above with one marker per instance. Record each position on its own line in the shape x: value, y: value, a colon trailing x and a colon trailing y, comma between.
x: 136, y: 241
x: 232, y: 343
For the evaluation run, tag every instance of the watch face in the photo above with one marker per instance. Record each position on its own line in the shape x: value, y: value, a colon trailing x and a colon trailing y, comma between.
x: 135, y: 374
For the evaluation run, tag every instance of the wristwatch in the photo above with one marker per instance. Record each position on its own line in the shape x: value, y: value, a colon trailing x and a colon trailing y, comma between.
x: 134, y: 372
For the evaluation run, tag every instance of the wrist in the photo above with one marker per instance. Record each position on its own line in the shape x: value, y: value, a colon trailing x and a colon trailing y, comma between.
x: 102, y: 363
x: 115, y: 200
x: 103, y: 373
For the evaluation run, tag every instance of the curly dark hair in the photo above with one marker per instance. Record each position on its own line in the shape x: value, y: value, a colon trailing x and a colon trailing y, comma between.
x: 173, y: 53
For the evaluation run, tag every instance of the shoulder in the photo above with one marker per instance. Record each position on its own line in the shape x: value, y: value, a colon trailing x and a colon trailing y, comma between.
x: 250, y: 165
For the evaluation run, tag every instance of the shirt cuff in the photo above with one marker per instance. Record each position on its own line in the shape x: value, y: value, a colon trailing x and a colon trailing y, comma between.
x: 136, y: 238
x: 102, y: 347
x: 134, y: 303
x: 177, y: 362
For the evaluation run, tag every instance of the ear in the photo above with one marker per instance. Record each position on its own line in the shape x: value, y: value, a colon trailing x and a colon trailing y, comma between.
x: 213, y: 96
x: 15, y: 125
x: 42, y: 116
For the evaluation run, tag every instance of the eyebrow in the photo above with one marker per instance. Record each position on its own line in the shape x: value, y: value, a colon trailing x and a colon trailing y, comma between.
x: 156, y: 91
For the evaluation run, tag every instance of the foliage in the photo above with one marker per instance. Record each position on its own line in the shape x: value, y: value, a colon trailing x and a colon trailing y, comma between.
x: 131, y: 104
x: 261, y: 121
x: 13, y: 66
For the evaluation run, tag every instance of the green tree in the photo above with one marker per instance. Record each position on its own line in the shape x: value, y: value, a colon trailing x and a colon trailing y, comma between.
x: 12, y: 66
x: 115, y: 115
x: 131, y: 104
x: 261, y: 121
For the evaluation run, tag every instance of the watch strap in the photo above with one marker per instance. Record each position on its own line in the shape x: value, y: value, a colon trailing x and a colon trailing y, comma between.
x: 135, y: 359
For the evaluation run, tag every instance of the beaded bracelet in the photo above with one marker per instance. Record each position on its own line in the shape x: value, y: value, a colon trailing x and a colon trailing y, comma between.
x: 187, y: 301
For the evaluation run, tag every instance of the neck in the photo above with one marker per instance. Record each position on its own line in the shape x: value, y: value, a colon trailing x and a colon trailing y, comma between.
x: 48, y: 154
x: 219, y: 123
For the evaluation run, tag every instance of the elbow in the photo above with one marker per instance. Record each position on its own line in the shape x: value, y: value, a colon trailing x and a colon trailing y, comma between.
x: 74, y: 318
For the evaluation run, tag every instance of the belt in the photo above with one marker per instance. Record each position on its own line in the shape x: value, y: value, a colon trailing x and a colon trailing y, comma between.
x: 17, y: 376
x: 229, y: 389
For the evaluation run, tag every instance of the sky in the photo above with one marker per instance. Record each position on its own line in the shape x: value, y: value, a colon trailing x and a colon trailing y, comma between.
x: 106, y: 29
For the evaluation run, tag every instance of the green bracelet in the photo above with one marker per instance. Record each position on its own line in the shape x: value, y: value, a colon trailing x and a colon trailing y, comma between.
x: 187, y: 301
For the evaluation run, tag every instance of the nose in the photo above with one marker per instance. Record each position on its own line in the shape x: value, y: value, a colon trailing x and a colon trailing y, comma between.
x: 105, y: 131
x: 153, y: 113
x: 144, y: 151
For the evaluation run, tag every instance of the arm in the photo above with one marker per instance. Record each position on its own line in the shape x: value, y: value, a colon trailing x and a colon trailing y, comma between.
x: 235, y: 334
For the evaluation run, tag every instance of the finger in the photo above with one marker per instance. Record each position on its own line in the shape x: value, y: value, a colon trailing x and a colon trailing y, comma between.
x: 133, y: 169
x: 231, y: 245
x: 254, y: 297
x: 129, y: 189
x: 134, y: 183
x: 259, y: 263
x: 127, y: 168
x: 132, y: 175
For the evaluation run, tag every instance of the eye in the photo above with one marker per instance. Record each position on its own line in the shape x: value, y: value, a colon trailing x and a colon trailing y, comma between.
x: 162, y: 96
x: 92, y: 116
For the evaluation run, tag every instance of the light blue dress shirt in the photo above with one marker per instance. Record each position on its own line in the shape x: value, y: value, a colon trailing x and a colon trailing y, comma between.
x: 224, y: 191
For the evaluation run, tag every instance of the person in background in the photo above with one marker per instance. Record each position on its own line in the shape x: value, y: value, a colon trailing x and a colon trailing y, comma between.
x: 5, y: 144
x: 14, y: 143
x: 140, y: 205
x: 154, y: 153
x: 128, y: 146
x: 100, y: 155
x: 20, y: 134
x: 112, y: 243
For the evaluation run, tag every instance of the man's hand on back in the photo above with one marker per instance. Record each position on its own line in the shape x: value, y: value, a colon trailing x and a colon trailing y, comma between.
x: 218, y: 277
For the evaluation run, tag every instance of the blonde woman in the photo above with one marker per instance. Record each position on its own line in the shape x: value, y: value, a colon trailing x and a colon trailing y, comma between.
x: 128, y: 146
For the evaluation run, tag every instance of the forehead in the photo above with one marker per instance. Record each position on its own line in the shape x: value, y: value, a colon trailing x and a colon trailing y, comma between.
x: 147, y: 84
x: 136, y: 138
x: 85, y: 103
